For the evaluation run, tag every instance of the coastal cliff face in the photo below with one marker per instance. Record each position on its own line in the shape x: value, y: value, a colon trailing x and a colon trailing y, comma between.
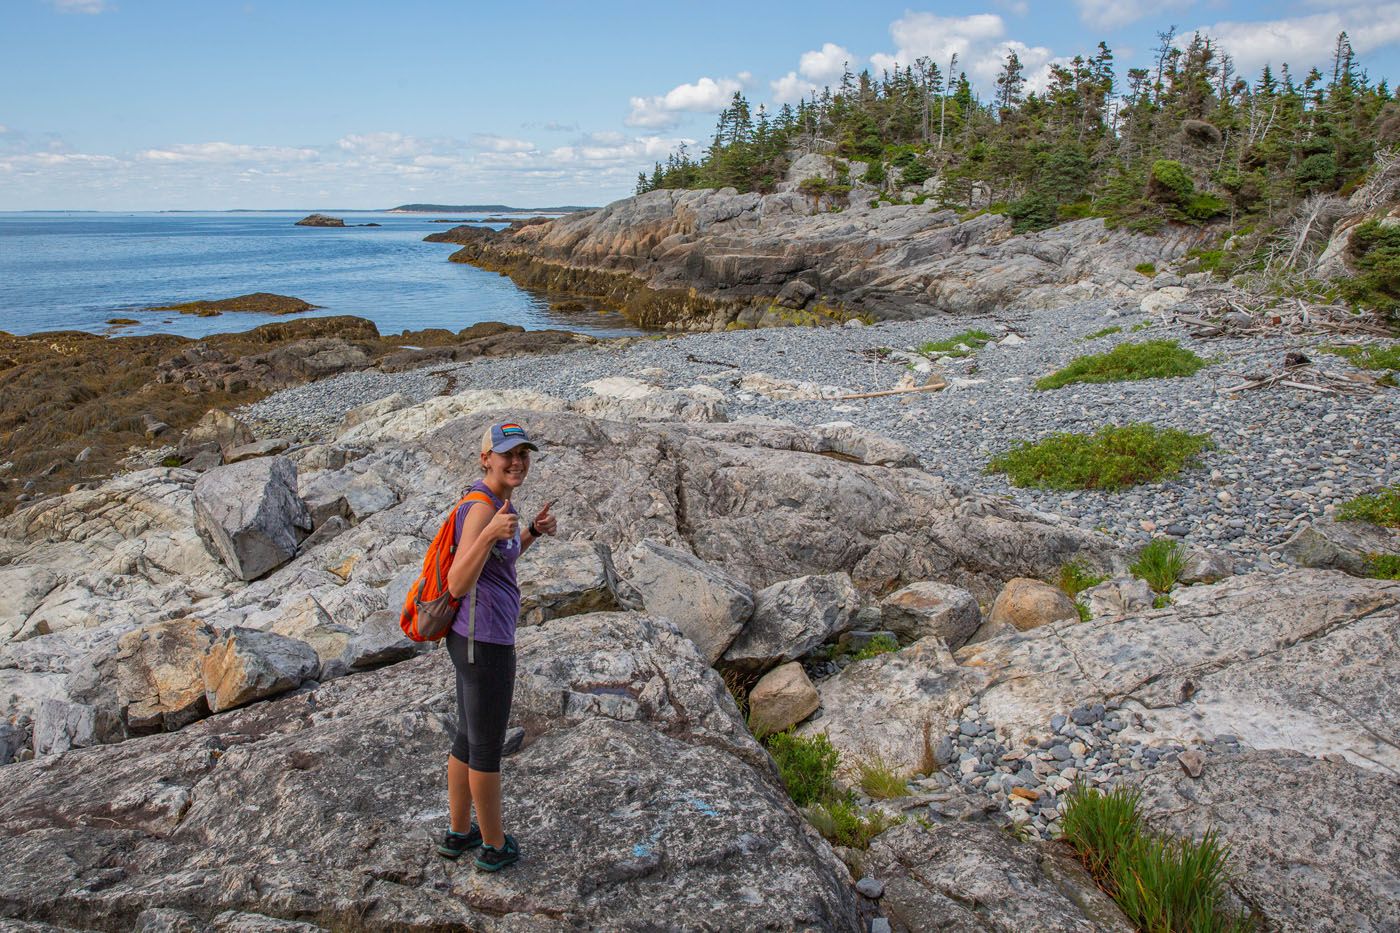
x: 710, y: 259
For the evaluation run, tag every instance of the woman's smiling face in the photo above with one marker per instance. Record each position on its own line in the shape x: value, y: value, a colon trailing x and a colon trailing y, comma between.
x: 509, y: 468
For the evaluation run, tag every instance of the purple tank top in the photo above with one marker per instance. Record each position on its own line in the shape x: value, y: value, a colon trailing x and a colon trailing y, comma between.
x: 497, y: 594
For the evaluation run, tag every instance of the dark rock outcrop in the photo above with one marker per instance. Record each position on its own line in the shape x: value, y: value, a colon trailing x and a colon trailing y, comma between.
x: 258, y: 302
x: 320, y: 220
x: 707, y: 259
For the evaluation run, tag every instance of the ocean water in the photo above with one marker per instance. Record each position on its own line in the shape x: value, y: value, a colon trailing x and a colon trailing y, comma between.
x: 74, y: 271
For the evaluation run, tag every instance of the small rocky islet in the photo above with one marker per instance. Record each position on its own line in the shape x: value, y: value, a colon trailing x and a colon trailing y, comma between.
x: 729, y: 513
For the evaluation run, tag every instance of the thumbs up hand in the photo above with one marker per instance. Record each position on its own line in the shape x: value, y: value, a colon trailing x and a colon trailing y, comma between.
x: 503, y: 524
x: 545, y: 522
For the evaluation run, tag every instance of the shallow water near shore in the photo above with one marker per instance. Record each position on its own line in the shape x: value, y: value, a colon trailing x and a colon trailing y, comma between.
x: 74, y: 271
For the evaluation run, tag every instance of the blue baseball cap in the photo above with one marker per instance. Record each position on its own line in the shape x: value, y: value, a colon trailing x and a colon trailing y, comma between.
x: 507, y: 435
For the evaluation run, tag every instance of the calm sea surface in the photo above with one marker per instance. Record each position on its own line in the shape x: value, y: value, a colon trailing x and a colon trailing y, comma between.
x: 73, y: 271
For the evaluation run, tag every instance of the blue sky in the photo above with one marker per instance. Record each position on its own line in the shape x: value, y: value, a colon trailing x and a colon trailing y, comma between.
x: 174, y: 104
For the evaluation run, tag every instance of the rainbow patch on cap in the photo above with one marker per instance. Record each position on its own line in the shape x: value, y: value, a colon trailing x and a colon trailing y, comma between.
x: 508, y: 429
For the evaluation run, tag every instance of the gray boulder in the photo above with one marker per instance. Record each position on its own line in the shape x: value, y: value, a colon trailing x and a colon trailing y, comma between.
x: 563, y: 578
x: 159, y: 672
x: 248, y: 514
x: 1121, y: 596
x: 1329, y: 860
x: 246, y: 665
x: 1345, y: 546
x: 782, y: 698
x: 218, y: 431
x: 791, y: 618
x: 923, y: 609
x: 703, y: 601
x: 968, y: 877
x: 60, y: 725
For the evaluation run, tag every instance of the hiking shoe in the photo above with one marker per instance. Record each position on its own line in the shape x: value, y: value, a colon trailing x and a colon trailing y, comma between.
x: 454, y: 845
x: 491, y: 858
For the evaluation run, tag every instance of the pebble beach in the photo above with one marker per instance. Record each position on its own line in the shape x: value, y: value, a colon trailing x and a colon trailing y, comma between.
x: 1280, y: 458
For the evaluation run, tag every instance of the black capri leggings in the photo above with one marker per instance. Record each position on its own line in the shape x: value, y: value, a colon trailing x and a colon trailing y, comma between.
x: 484, y: 692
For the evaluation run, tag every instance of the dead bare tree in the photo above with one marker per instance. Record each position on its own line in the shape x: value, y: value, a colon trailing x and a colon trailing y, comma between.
x: 1300, y: 240
x: 1383, y: 185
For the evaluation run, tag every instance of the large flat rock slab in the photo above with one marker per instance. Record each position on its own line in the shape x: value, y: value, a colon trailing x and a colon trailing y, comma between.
x: 323, y: 808
x: 1314, y: 844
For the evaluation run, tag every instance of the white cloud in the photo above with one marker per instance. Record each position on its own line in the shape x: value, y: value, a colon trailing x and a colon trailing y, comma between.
x: 1111, y: 14
x: 81, y: 6
x: 228, y: 152
x: 978, y: 40
x: 494, y: 143
x: 1305, y: 41
x: 704, y: 96
x: 825, y: 65
x: 382, y: 145
x: 791, y: 88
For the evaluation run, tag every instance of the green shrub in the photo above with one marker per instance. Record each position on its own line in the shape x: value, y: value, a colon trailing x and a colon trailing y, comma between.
x: 880, y: 781
x: 1111, y: 458
x: 806, y: 765
x: 1383, y: 508
x: 1160, y: 563
x: 843, y: 823
x: 880, y: 644
x: 874, y: 173
x: 1034, y: 211
x: 1115, y: 329
x: 1169, y: 182
x: 975, y: 339
x: 172, y: 461
x: 1075, y: 578
x: 1162, y: 884
x: 1202, y: 207
x: 1145, y: 268
x: 1155, y: 359
x: 915, y: 173
x: 1383, y: 566
x: 1375, y: 251
x: 1368, y: 356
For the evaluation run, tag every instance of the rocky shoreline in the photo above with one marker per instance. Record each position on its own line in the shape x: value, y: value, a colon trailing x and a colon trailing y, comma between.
x: 212, y: 721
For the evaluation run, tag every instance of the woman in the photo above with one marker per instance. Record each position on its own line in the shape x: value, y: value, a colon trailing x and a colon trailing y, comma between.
x: 482, y: 643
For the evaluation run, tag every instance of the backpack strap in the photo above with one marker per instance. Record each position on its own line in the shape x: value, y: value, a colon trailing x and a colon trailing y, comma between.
x: 475, y: 495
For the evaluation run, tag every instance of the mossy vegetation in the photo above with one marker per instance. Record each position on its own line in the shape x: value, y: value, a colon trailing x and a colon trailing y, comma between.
x: 1375, y: 251
x: 959, y: 345
x: 1106, y: 332
x: 1153, y: 359
x: 880, y: 644
x: 1076, y: 577
x: 1111, y: 458
x: 1146, y: 268
x: 258, y: 302
x: 1368, y: 356
x: 1383, y: 566
x: 843, y: 823
x: 1161, y: 883
x: 1381, y: 508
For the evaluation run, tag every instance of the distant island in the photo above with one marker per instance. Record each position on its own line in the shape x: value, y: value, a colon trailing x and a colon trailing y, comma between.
x: 483, y: 208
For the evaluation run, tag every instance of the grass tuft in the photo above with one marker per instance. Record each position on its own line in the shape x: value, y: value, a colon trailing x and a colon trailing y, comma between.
x: 1153, y: 359
x: 879, y: 780
x: 1111, y: 458
x: 1161, y: 883
x: 1383, y: 508
x: 1160, y: 563
x: 973, y: 339
x: 1368, y: 356
x: 808, y: 769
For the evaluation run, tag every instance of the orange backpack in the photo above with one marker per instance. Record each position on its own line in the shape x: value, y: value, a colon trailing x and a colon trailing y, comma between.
x: 429, y: 608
